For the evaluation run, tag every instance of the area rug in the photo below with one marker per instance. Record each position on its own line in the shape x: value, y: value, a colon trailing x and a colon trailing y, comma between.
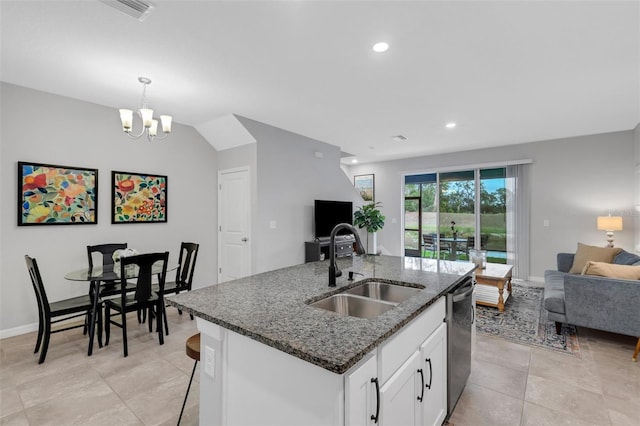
x: 524, y: 321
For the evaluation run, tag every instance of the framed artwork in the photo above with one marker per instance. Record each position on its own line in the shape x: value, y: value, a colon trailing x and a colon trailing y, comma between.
x: 365, y: 185
x: 138, y: 198
x: 56, y: 195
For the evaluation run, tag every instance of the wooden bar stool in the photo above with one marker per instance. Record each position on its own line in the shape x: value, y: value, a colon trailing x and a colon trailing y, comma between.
x: 193, y: 352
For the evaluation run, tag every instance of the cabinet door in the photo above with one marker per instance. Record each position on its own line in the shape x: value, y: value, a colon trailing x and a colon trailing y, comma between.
x: 433, y: 354
x: 362, y: 396
x: 399, y: 395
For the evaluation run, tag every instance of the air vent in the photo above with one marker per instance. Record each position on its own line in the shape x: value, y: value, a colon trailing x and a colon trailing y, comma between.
x: 135, y: 8
x: 399, y: 138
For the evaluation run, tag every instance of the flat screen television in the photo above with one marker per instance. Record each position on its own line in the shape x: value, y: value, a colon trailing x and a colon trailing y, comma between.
x: 330, y: 213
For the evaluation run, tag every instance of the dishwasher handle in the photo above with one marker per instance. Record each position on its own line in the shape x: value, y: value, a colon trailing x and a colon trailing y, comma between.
x: 457, y: 297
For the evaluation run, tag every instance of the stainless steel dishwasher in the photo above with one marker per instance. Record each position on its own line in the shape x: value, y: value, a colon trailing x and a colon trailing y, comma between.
x: 459, y: 322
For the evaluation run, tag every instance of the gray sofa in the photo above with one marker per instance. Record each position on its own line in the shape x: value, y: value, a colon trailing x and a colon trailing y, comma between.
x: 601, y: 303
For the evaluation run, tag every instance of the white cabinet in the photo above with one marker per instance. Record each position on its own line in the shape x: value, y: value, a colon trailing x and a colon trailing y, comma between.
x: 401, y: 394
x: 416, y: 394
x: 362, y: 394
x: 401, y: 382
x: 433, y: 355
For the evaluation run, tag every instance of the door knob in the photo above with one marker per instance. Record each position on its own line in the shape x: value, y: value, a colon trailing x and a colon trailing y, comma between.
x: 245, y: 239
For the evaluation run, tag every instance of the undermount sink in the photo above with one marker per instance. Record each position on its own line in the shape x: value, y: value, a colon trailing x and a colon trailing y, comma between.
x: 366, y: 300
x: 384, y: 291
x: 354, y: 306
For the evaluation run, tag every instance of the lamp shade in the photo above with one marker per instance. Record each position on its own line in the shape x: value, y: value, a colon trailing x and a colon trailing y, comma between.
x: 126, y: 116
x: 610, y: 223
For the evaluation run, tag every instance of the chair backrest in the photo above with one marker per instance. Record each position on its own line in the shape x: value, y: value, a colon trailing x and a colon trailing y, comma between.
x: 186, y: 265
x: 38, y: 286
x: 107, y: 252
x: 471, y: 242
x: 484, y: 238
x: 428, y: 239
x: 144, y: 264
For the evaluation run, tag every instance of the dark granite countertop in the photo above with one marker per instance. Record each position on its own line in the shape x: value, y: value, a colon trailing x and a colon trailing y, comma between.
x: 272, y: 308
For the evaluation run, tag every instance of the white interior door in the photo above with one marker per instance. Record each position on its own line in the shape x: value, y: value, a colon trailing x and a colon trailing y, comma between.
x: 234, y: 224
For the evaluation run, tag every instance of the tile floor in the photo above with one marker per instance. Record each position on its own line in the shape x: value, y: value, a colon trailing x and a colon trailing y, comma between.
x: 510, y: 384
x: 70, y: 388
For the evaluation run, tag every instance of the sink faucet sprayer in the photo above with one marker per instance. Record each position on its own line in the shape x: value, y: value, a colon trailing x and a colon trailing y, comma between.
x: 333, y: 269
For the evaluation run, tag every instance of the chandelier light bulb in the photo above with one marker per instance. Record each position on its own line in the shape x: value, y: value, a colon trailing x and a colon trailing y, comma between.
x: 153, y: 130
x: 126, y: 116
x: 147, y: 117
x: 166, y: 123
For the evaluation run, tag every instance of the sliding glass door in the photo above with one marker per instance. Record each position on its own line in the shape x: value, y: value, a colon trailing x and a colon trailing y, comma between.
x: 447, y: 214
x: 457, y: 212
x: 493, y: 209
x: 420, y: 215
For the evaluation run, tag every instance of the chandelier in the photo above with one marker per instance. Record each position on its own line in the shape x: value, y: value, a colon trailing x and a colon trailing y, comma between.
x: 149, y: 125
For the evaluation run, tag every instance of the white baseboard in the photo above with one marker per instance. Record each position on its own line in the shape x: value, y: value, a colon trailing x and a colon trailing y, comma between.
x: 16, y: 331
x: 536, y: 279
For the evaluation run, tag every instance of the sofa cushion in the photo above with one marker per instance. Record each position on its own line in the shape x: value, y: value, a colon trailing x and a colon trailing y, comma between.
x: 586, y: 253
x: 554, y: 291
x: 611, y: 270
x: 626, y: 258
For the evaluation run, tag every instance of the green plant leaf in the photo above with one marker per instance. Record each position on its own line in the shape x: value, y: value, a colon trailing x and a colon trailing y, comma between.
x: 369, y: 217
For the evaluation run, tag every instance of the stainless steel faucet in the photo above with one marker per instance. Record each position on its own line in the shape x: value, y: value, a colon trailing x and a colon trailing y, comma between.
x: 333, y: 269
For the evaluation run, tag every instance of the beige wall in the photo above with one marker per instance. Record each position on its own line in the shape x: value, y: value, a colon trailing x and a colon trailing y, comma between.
x: 573, y: 180
x: 45, y: 128
x: 289, y: 178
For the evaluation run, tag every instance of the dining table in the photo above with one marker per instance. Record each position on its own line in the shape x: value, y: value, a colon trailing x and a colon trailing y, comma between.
x: 97, y: 276
x: 453, y: 243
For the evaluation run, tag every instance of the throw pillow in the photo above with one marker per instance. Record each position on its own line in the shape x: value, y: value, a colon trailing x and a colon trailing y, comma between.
x: 626, y: 258
x: 585, y: 253
x: 612, y: 270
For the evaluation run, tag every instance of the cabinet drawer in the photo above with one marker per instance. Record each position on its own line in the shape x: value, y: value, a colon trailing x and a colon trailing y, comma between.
x: 399, y: 348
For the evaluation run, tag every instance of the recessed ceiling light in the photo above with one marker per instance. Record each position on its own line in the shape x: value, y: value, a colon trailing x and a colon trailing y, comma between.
x: 450, y: 125
x: 380, y: 47
x: 354, y: 161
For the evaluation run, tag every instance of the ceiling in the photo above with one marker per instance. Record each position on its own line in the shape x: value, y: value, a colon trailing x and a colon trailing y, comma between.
x: 506, y: 72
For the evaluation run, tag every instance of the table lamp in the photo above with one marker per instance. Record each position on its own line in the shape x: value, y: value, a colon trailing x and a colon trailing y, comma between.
x: 609, y: 224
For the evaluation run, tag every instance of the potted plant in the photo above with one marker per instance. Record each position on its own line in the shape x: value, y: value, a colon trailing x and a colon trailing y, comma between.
x: 369, y: 217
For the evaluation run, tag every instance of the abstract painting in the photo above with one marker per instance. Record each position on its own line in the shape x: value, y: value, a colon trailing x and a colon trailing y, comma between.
x: 138, y: 198
x: 56, y: 195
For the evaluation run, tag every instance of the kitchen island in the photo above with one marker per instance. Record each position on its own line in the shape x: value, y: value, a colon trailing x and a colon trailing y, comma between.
x: 270, y: 358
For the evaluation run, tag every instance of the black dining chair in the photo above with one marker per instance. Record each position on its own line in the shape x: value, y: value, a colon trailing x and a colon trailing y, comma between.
x: 184, y: 273
x: 107, y: 288
x: 471, y: 242
x: 184, y: 276
x: 429, y: 242
x: 143, y: 298
x: 79, y: 306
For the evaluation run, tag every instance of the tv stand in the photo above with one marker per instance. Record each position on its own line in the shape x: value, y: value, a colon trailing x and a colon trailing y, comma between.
x: 313, y: 249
